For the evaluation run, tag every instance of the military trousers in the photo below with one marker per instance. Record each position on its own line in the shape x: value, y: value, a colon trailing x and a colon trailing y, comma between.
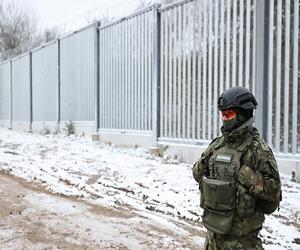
x: 227, y: 242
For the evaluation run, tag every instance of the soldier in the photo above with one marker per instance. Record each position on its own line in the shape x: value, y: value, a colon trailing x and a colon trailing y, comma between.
x: 238, y: 177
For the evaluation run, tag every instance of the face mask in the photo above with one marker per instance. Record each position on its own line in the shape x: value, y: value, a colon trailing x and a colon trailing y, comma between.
x: 230, y: 125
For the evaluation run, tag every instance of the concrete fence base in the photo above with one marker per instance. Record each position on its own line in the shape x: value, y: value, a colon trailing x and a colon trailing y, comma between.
x: 45, y: 127
x: 85, y: 128
x: 21, y: 126
x: 127, y: 138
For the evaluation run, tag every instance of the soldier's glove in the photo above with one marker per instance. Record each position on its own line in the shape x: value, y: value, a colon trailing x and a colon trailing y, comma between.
x: 250, y: 179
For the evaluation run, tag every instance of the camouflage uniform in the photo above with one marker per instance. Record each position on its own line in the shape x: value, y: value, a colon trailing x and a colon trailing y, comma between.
x: 258, y: 188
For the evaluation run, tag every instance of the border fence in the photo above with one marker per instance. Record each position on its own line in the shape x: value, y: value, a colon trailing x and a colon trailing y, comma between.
x: 159, y: 72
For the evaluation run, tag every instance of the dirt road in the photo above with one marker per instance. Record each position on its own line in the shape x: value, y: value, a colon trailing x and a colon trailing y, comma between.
x: 32, y: 218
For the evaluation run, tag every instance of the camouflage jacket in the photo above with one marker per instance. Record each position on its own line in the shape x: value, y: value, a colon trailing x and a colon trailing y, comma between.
x: 258, y: 175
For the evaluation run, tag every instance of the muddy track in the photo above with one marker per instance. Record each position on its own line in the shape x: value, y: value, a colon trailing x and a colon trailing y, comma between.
x: 33, y: 218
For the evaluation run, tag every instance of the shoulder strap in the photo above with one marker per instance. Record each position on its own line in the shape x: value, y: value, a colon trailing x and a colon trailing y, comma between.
x: 219, y: 143
x: 247, y: 142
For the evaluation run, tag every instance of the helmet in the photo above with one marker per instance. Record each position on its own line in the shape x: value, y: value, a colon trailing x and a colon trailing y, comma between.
x: 237, y: 98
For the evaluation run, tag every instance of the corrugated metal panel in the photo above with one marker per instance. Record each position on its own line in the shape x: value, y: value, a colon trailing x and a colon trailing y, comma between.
x: 45, y: 83
x: 21, y: 89
x: 78, y: 75
x: 126, y: 73
x: 5, y: 91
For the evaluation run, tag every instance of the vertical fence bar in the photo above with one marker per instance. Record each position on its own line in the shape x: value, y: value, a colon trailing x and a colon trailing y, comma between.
x: 295, y: 77
x: 11, y: 94
x: 156, y: 73
x: 204, y: 93
x: 119, y: 80
x: 210, y: 41
x: 97, y: 96
x: 184, y: 118
x: 278, y: 76
x: 124, y: 74
x: 199, y: 58
x: 147, y: 75
x: 139, y: 69
x: 228, y: 43
x: 112, y: 77
x: 174, y: 82
x: 151, y: 65
x: 59, y: 83
x: 143, y: 66
x: 110, y: 72
x: 115, y: 86
x: 270, y: 72
x: 222, y: 31
x: 216, y: 70
x: 127, y: 72
x: 166, y: 100
x: 234, y: 41
x: 162, y: 68
x: 135, y: 74
x: 102, y: 78
x: 189, y: 71
x: 241, y: 44
x: 30, y: 91
x: 254, y: 60
x: 131, y: 79
x: 194, y: 107
x: 180, y: 38
x: 107, y: 79
x: 247, y: 65
x: 286, y: 76
x: 170, y: 96
x: 123, y: 77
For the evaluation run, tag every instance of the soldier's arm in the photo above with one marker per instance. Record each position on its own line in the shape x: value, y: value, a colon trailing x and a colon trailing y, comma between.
x: 200, y: 167
x: 259, y: 174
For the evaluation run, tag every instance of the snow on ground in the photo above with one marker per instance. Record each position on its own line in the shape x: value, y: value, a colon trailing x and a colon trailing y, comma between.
x: 113, y: 176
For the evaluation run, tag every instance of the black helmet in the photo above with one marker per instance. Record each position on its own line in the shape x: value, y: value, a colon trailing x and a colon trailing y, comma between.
x: 237, y: 98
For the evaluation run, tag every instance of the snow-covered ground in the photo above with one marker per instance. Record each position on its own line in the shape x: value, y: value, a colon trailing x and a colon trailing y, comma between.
x: 112, y: 176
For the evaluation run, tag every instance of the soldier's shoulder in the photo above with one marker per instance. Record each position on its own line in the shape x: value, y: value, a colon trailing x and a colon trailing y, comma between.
x: 260, y: 147
x: 213, y: 145
x: 217, y: 142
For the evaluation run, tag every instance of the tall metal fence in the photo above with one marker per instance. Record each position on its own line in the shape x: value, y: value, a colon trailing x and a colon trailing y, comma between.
x: 127, y: 80
x: 160, y: 71
x: 206, y: 47
x: 283, y: 84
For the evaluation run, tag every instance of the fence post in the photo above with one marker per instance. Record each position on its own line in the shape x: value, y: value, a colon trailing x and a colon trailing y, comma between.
x: 97, y: 110
x: 11, y: 94
x: 156, y: 75
x: 30, y: 91
x: 261, y: 65
x: 58, y: 82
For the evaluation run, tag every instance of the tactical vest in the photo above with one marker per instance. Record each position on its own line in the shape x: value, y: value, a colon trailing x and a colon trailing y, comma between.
x: 222, y: 198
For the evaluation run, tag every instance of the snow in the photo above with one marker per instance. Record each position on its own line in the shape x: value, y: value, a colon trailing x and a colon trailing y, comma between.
x: 130, y: 177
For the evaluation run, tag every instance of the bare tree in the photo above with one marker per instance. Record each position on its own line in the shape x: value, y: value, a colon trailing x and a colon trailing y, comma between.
x: 49, y: 34
x: 19, y: 29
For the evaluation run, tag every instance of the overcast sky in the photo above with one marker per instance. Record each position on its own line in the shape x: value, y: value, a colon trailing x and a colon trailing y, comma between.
x: 58, y: 12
